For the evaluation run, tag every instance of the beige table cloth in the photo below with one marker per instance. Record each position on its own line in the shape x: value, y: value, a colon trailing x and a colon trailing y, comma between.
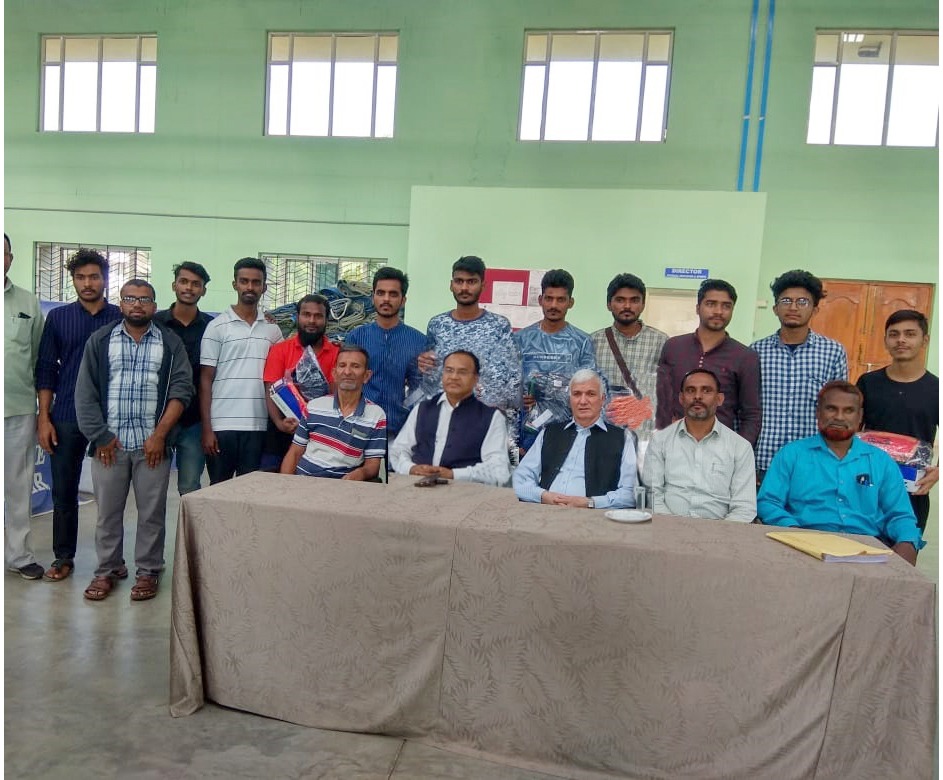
x: 550, y: 638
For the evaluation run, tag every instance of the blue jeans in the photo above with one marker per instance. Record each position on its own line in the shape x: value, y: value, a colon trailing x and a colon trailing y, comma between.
x: 190, y: 458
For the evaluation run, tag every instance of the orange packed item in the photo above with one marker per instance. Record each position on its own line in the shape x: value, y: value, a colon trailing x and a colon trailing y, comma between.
x: 629, y: 411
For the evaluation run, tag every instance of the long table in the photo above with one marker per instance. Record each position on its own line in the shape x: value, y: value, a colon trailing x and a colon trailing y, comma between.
x: 547, y: 637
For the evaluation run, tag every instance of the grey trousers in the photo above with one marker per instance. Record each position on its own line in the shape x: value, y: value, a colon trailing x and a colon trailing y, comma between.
x: 111, y: 487
x: 19, y: 455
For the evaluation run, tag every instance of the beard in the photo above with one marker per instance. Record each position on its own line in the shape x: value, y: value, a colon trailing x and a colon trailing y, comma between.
x: 310, y: 338
x: 137, y: 322
x: 833, y: 433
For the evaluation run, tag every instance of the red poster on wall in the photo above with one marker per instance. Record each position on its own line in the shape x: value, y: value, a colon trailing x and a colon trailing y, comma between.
x: 513, y: 293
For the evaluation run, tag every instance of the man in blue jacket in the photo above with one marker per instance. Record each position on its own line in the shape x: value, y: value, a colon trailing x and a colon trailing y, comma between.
x: 833, y: 481
x: 133, y: 384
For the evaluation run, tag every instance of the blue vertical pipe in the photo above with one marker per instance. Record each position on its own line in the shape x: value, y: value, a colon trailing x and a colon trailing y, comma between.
x: 761, y: 125
x: 748, y: 96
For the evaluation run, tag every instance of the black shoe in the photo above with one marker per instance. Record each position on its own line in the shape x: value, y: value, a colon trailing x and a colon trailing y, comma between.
x: 31, y: 571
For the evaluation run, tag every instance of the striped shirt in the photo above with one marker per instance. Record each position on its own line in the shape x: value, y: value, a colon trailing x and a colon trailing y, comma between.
x: 393, y: 353
x: 133, y: 369
x: 66, y: 330
x: 791, y: 380
x: 336, y: 445
x: 237, y: 350
x: 640, y: 353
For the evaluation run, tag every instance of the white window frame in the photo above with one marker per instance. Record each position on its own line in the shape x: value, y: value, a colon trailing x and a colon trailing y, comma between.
x: 380, y: 59
x: 646, y: 61
x: 143, y: 59
x: 54, y: 282
x: 855, y: 37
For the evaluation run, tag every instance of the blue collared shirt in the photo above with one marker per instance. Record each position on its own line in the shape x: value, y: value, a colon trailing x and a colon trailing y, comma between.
x: 133, y: 390
x: 808, y: 486
x: 393, y: 354
x: 571, y: 480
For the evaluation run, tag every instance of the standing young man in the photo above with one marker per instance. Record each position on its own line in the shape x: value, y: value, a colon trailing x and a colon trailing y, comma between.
x: 65, y: 334
x: 627, y: 352
x: 189, y: 323
x: 552, y: 350
x: 904, y: 396
x: 795, y: 363
x: 235, y: 345
x: 21, y: 334
x: 470, y: 327
x: 736, y: 365
x: 134, y: 383
x: 283, y: 359
x: 393, y: 347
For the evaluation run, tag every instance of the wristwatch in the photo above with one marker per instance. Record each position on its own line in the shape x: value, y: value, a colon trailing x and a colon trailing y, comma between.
x: 590, y: 503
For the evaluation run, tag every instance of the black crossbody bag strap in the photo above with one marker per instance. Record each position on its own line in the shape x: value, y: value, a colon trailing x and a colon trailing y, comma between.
x: 617, y: 354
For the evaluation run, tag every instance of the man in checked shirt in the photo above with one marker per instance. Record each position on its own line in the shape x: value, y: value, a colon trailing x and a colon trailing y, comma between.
x: 795, y: 363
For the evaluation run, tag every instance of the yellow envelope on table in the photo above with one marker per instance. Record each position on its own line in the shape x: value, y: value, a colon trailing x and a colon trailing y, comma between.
x: 830, y: 547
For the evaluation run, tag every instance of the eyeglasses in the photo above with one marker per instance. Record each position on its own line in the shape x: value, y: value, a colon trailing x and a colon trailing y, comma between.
x: 145, y: 299
x: 802, y: 303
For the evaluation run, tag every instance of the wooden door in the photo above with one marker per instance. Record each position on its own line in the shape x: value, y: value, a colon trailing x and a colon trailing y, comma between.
x: 854, y: 313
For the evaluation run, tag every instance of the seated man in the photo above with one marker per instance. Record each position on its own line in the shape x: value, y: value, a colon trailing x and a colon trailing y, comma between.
x: 581, y: 463
x: 697, y: 466
x: 454, y: 435
x: 833, y: 481
x: 343, y: 436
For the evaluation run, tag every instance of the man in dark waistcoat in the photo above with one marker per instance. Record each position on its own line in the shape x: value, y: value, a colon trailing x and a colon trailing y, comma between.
x: 585, y: 462
x: 453, y: 435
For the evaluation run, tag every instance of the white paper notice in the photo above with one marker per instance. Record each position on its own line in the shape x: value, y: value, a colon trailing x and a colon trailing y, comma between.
x: 508, y: 293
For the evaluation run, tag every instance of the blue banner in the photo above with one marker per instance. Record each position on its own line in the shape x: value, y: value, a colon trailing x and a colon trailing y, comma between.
x: 686, y: 273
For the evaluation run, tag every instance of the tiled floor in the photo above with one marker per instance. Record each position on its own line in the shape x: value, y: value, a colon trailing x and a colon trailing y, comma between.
x: 86, y: 692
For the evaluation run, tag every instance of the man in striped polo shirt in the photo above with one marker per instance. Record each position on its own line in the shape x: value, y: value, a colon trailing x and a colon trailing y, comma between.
x: 232, y: 395
x: 343, y: 436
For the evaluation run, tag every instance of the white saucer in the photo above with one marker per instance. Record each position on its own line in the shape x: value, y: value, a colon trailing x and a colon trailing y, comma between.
x: 629, y: 515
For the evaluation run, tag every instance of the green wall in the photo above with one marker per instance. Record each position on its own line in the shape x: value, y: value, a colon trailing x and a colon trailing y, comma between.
x: 209, y: 186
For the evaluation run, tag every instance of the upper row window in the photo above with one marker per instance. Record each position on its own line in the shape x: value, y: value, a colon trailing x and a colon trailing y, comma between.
x: 875, y: 89
x: 99, y: 84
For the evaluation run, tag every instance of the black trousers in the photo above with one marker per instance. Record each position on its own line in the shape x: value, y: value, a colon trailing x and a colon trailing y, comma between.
x: 240, y: 452
x: 66, y: 468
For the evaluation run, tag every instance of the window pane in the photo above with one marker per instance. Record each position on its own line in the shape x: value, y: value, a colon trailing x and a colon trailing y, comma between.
x: 862, y: 91
x: 119, y: 49
x: 826, y: 49
x: 119, y: 96
x: 355, y: 48
x: 312, y: 48
x: 81, y: 49
x: 353, y: 98
x: 653, y: 105
x: 914, y: 106
x: 617, y: 98
x: 536, y: 48
x: 568, y: 97
x: 388, y: 46
x: 532, y: 102
x: 279, y: 48
x: 149, y: 49
x: 386, y: 101
x: 80, y: 100
x: 52, y: 48
x: 621, y: 47
x: 659, y: 47
x: 310, y: 84
x: 278, y: 100
x: 820, y: 104
x: 917, y: 50
x: 51, y: 98
x: 567, y: 48
x: 148, y: 100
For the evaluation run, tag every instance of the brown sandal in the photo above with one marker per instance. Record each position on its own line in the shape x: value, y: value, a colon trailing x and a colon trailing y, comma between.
x: 59, y: 570
x: 144, y: 588
x: 100, y: 587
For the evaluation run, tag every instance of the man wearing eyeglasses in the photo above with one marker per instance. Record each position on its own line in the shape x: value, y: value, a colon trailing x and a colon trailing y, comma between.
x: 453, y: 435
x: 795, y: 363
x: 134, y: 382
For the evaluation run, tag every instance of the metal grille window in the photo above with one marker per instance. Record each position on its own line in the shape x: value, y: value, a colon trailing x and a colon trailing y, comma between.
x: 875, y: 89
x: 609, y: 85
x: 291, y: 277
x: 54, y: 283
x: 99, y: 84
x: 331, y: 84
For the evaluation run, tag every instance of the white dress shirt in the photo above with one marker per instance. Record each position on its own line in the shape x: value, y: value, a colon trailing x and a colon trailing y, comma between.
x: 495, y: 467
x: 713, y: 478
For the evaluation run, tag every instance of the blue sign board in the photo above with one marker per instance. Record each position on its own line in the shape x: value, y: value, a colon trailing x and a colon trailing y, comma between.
x: 686, y: 273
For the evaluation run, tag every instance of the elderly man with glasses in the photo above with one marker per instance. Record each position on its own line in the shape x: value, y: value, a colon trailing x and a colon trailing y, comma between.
x: 795, y: 363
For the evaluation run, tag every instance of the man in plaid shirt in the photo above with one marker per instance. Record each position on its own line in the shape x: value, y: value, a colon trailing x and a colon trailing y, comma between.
x: 795, y: 363
x: 134, y: 382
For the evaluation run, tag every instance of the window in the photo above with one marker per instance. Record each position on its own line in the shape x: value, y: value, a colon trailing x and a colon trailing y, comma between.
x: 875, y: 89
x: 341, y: 84
x: 99, y: 84
x: 595, y: 86
x: 53, y: 282
x: 291, y: 277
